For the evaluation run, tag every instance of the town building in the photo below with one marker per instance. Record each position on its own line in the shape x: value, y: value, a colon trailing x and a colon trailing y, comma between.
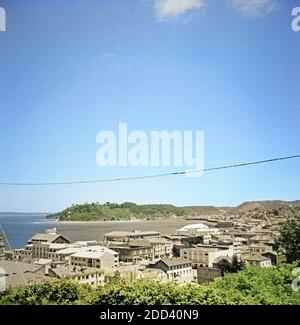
x: 134, y: 251
x: 194, y: 230
x: 95, y: 256
x: 161, y: 247
x: 16, y: 274
x: 259, y: 248
x: 276, y: 258
x: 83, y: 275
x: 259, y: 260
x: 126, y: 236
x: 225, y: 224
x: 178, y: 270
x: 36, y: 244
x: 205, y: 255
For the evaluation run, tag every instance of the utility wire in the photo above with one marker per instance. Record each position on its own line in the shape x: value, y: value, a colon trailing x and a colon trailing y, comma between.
x: 259, y: 162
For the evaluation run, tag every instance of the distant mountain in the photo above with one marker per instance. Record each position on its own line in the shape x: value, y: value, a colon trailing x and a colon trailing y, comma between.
x: 24, y: 213
x: 131, y: 211
x: 296, y: 203
x: 204, y: 210
x: 260, y: 205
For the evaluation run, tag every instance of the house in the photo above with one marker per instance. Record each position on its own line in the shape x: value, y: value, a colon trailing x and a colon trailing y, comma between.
x: 191, y: 241
x: 205, y: 255
x: 134, y: 251
x: 95, y: 256
x: 194, y: 230
x: 225, y: 224
x: 259, y: 260
x: 261, y: 239
x: 126, y: 236
x: 83, y: 275
x: 53, y: 249
x: 161, y: 247
x: 64, y: 255
x: 276, y: 258
x: 177, y: 269
x: 259, y: 248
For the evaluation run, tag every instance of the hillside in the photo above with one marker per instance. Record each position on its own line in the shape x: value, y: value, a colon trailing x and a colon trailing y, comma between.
x: 261, y: 205
x: 131, y: 211
x: 112, y: 211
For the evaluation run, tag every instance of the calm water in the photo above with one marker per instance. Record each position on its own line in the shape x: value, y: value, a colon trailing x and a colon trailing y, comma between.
x: 19, y: 227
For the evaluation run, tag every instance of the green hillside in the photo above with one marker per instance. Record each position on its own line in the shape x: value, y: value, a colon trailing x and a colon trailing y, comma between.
x: 131, y: 211
x: 112, y: 211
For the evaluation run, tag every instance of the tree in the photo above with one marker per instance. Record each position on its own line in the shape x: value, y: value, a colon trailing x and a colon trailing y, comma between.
x: 235, y: 266
x: 254, y: 286
x: 289, y: 239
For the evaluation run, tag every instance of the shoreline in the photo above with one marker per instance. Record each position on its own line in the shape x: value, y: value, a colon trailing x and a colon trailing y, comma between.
x: 115, y: 221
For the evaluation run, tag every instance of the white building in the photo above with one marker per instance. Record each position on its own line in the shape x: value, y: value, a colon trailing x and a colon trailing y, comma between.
x: 95, y: 256
x: 198, y: 229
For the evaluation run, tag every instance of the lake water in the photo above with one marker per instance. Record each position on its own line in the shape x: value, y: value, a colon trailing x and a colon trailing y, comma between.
x: 19, y: 227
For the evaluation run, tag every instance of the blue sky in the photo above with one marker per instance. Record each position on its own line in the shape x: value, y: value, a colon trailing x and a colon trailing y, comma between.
x: 69, y: 70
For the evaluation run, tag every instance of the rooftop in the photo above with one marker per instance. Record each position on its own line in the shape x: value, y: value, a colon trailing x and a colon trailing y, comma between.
x: 72, y: 271
x: 175, y: 261
x: 194, y: 226
x: 130, y: 233
x: 93, y: 252
x: 20, y: 273
x: 257, y: 258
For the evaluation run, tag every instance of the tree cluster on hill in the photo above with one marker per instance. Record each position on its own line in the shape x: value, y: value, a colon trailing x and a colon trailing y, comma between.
x: 113, y: 211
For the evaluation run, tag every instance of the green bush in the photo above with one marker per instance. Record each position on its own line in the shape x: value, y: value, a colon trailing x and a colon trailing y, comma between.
x: 253, y: 286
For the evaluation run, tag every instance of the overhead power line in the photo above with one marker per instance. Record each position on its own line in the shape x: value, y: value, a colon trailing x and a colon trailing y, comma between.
x: 259, y: 162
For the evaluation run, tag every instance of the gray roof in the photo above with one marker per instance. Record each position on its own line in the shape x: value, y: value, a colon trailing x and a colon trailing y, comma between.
x: 19, y: 274
x: 257, y: 258
x: 63, y: 272
x: 175, y: 261
x: 50, y: 238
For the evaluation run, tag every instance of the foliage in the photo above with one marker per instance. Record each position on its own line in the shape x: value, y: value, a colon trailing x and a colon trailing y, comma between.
x: 57, y: 292
x: 113, y: 211
x: 289, y: 239
x: 252, y: 286
x: 235, y: 266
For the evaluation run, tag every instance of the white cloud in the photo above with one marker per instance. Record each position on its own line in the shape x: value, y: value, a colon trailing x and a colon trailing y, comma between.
x: 172, y: 8
x: 254, y: 8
